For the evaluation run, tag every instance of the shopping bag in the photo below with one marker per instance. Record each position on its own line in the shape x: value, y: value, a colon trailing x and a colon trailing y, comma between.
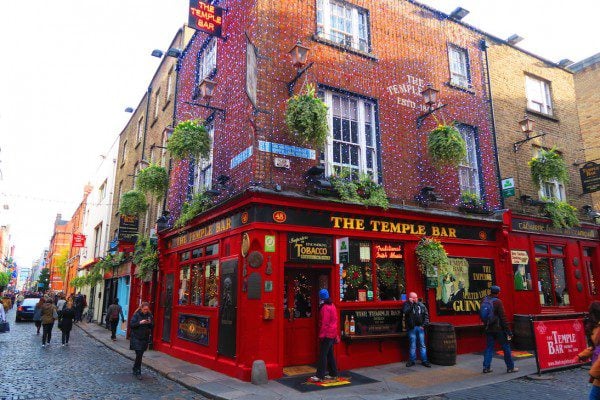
x: 4, y: 327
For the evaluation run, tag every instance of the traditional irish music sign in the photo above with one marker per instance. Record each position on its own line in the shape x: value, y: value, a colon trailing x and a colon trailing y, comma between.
x: 205, y: 17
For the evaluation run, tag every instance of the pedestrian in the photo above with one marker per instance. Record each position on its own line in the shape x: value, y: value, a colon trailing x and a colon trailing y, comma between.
x: 66, y: 322
x: 328, y: 336
x: 78, y: 306
x: 593, y: 352
x: 496, y: 330
x: 60, y: 304
x: 37, y: 315
x: 49, y: 315
x: 112, y: 316
x: 416, y: 318
x: 141, y: 328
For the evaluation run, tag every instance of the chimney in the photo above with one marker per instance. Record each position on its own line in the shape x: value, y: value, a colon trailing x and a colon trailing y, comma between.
x: 58, y: 218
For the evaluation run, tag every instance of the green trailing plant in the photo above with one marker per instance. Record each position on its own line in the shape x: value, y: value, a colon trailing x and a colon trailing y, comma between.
x: 145, y: 258
x: 94, y: 276
x: 446, y: 146
x: 133, y: 203
x: 198, y: 204
x: 471, y: 201
x: 4, y: 279
x: 362, y: 190
x: 154, y: 180
x: 562, y: 214
x: 306, y: 118
x: 431, y: 254
x: 547, y: 166
x: 78, y: 282
x: 189, y: 138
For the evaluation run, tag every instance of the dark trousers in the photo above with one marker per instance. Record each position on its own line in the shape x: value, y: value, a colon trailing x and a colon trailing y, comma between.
x: 137, y: 365
x: 38, y: 325
x: 47, y: 334
x: 65, y: 336
x: 113, y: 328
x: 326, y: 359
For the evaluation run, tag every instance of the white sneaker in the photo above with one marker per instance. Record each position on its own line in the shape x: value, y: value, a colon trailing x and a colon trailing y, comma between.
x: 315, y: 379
x: 63, y: 345
x: 43, y: 345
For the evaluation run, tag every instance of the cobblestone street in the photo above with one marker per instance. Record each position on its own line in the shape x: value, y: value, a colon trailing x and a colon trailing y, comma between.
x: 85, y: 369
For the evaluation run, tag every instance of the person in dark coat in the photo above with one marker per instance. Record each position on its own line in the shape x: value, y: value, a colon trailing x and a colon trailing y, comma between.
x: 66, y: 322
x: 49, y: 315
x: 37, y: 315
x: 498, y: 331
x: 141, y: 329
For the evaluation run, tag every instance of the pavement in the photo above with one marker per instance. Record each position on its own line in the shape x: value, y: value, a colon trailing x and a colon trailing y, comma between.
x: 395, y: 381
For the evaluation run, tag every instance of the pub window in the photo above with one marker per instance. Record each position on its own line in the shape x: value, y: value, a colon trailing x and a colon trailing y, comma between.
x: 551, y: 189
x: 197, y: 280
x: 591, y: 269
x: 459, y: 67
x: 207, y: 60
x: 468, y: 170
x: 184, y: 285
x: 204, y: 167
x: 343, y: 24
x: 197, y: 253
x: 211, y: 274
x: 357, y: 274
x: 212, y: 249
x: 391, y: 283
x: 538, y: 95
x: 552, y: 283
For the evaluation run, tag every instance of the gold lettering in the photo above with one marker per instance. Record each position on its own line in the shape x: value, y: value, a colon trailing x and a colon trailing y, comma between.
x: 336, y: 222
x: 421, y: 230
x: 452, y: 232
x: 435, y: 231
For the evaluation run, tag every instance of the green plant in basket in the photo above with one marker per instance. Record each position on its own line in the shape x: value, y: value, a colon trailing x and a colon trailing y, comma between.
x: 431, y: 253
x: 189, y: 138
x: 133, y: 203
x: 306, y: 118
x: 470, y: 200
x: 547, y: 166
x: 199, y: 203
x: 446, y: 146
x: 562, y: 214
x: 154, y: 180
x: 362, y: 190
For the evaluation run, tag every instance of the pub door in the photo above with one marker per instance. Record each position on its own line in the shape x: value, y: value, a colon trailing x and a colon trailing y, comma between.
x: 301, y: 290
x: 167, y: 306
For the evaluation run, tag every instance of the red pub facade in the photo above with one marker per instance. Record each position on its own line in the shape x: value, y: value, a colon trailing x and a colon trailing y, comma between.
x: 239, y: 282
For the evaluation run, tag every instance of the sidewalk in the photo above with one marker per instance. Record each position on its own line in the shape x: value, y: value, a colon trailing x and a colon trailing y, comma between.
x: 395, y: 380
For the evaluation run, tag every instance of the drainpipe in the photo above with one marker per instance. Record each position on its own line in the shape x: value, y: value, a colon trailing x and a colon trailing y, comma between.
x: 148, y: 97
x: 484, y: 47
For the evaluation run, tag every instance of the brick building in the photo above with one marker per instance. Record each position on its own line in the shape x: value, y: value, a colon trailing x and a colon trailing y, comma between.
x: 60, y: 243
x: 256, y: 260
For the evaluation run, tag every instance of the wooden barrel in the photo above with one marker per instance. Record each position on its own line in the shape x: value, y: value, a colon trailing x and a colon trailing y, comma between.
x: 523, y: 339
x: 442, y: 344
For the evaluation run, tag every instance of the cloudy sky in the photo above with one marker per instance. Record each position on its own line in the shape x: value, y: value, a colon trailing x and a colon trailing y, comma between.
x: 69, y: 68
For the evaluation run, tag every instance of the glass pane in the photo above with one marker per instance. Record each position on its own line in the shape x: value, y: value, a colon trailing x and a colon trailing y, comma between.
x: 560, y: 283
x: 545, y: 282
x: 368, y: 135
x: 345, y: 158
x: 354, y: 131
x: 337, y: 149
x: 354, y: 158
x: 556, y: 250
x: 184, y: 256
x: 541, y: 248
x: 336, y: 106
x: 587, y: 251
x: 197, y: 273
x: 345, y: 130
x: 211, y: 298
x: 303, y: 288
x: 197, y: 253
x: 390, y: 272
x: 591, y: 277
x: 184, y: 289
x: 357, y: 278
x: 337, y: 128
x: 212, y: 250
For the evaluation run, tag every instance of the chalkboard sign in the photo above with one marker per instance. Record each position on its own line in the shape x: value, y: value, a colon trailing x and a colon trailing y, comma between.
x: 374, y: 322
x: 254, y: 286
x: 228, y: 309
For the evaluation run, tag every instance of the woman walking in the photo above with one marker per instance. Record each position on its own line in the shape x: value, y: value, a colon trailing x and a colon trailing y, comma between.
x: 328, y: 336
x: 141, y: 328
x: 49, y: 315
x: 66, y: 322
x: 37, y: 315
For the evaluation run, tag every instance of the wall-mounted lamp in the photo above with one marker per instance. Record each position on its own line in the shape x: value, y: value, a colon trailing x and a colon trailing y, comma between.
x: 174, y: 52
x: 157, y: 53
x: 590, y: 212
x: 527, y: 126
x: 430, y: 98
x: 206, y: 90
x: 458, y: 13
x: 528, y: 200
x: 427, y: 195
x: 317, y: 182
x: 162, y: 222
x: 514, y: 39
x: 128, y: 110
x: 299, y: 54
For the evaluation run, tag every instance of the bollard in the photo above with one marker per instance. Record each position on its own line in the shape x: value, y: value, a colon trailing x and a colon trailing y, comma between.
x: 259, y: 373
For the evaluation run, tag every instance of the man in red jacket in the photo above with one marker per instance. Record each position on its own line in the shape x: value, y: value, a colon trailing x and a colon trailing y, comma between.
x: 328, y: 335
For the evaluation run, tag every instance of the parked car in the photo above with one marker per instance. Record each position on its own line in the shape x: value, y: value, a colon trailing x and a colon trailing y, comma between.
x: 26, y: 309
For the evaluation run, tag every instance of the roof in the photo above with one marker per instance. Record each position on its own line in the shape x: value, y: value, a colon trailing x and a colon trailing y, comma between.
x: 579, y: 66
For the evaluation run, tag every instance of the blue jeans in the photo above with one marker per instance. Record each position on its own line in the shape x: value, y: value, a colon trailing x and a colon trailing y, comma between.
x: 413, y: 334
x: 595, y: 393
x: 500, y: 337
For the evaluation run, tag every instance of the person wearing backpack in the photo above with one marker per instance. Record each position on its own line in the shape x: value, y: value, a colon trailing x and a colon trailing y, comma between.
x: 112, y: 316
x: 416, y: 318
x: 496, y: 330
x: 592, y: 329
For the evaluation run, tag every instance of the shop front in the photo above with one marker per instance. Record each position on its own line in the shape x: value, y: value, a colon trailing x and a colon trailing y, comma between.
x: 243, y: 285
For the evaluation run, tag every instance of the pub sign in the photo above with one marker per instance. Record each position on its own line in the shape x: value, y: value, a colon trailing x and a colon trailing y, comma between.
x: 590, y: 177
x: 205, y: 17
x: 312, y: 249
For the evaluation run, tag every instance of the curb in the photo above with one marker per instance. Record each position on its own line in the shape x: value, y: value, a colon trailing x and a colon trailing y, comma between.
x: 167, y: 375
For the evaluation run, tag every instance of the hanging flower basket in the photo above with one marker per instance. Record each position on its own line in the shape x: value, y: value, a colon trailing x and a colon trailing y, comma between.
x: 446, y: 146
x: 154, y: 180
x: 562, y: 214
x: 430, y: 255
x: 133, y: 203
x: 362, y: 190
x: 306, y: 118
x: 354, y: 276
x: 387, y: 273
x: 199, y: 203
x: 189, y: 138
x: 547, y: 166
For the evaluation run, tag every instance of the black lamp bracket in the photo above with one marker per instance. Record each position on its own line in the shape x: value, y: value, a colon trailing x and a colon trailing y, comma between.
x: 518, y: 144
x: 298, y: 75
x: 215, y: 109
x: 422, y: 117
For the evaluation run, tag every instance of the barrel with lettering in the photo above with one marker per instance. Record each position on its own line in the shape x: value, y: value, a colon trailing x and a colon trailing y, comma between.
x: 442, y: 344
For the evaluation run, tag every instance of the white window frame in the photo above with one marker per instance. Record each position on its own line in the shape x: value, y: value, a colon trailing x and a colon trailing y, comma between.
x: 362, y: 110
x: 156, y: 103
x: 204, y: 166
x: 551, y: 189
x: 169, y: 90
x: 539, y: 98
x: 356, y: 32
x: 207, y: 60
x: 102, y: 191
x: 458, y: 62
x: 124, y: 155
x: 97, y: 240
x: 163, y: 150
x: 140, y: 129
x: 468, y: 169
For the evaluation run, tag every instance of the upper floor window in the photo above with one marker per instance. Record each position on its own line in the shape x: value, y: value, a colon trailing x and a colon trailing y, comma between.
x: 551, y: 189
x: 352, y: 145
x: 538, y: 95
x: 468, y: 170
x: 459, y: 66
x: 169, y: 85
x: 124, y: 154
x: 343, y: 23
x: 156, y: 103
x: 207, y: 60
x: 163, y: 150
x: 97, y: 240
x: 140, y: 129
x: 102, y: 191
x: 203, y: 176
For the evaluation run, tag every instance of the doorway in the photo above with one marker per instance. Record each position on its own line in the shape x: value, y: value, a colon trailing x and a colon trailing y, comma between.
x: 301, y: 288
x: 167, y: 305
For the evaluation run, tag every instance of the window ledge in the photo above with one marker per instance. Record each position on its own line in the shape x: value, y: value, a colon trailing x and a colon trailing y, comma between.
x: 137, y: 144
x: 349, y: 49
x: 468, y: 89
x: 167, y: 102
x: 153, y: 122
x: 122, y: 164
x: 539, y: 114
